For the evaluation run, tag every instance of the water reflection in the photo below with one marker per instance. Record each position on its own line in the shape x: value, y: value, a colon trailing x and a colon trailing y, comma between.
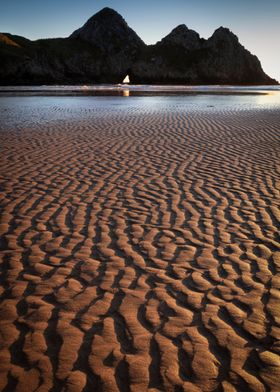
x: 271, y: 98
x: 15, y: 108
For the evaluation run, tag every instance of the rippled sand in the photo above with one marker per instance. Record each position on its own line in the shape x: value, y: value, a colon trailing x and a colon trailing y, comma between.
x: 140, y: 248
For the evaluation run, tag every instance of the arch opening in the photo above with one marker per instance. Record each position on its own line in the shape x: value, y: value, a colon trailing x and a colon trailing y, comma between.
x: 126, y: 80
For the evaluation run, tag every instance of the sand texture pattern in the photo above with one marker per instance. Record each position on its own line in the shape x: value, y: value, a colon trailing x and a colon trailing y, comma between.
x: 140, y: 252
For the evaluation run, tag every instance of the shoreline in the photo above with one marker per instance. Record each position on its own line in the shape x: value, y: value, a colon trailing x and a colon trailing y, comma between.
x: 113, y: 89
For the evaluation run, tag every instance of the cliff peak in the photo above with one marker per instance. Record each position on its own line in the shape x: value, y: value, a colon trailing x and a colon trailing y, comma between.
x: 224, y: 34
x: 184, y: 37
x: 109, y: 31
x: 181, y: 28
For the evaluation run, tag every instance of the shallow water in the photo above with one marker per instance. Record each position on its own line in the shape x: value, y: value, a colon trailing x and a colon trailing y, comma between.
x: 17, y: 110
x: 138, y: 88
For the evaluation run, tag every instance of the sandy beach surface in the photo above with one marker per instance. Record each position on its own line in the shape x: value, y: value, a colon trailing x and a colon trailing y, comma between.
x: 140, y: 244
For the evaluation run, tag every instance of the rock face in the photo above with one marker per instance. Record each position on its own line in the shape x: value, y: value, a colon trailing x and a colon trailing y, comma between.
x: 227, y: 61
x: 106, y: 49
x: 109, y: 32
x: 182, y: 36
x: 54, y: 61
x: 182, y: 57
x: 117, y: 42
x: 99, y: 52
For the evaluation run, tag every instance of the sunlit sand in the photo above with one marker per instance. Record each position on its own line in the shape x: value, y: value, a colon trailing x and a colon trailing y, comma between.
x: 140, y: 244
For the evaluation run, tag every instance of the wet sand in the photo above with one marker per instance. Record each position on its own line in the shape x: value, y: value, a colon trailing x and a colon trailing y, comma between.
x: 139, y: 248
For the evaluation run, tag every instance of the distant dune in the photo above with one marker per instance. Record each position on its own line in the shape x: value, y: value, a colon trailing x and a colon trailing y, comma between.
x: 106, y: 49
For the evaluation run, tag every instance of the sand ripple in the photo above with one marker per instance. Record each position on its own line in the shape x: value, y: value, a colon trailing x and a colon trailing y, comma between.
x: 141, y: 252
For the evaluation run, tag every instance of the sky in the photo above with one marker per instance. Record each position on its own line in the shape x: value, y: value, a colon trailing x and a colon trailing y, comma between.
x: 255, y: 22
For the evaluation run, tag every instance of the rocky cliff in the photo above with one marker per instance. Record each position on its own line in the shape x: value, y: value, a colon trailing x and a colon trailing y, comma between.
x: 116, y: 41
x: 182, y: 57
x: 54, y: 61
x: 105, y: 49
x: 100, y: 52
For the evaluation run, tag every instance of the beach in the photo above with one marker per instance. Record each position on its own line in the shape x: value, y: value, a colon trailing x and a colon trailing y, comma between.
x: 140, y: 244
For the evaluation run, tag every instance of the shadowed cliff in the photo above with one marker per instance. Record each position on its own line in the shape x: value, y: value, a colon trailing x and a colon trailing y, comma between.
x: 183, y: 57
x: 105, y: 49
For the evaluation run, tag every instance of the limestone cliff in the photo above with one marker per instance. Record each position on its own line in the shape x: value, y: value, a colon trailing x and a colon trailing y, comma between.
x: 106, y: 49
x: 182, y: 57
